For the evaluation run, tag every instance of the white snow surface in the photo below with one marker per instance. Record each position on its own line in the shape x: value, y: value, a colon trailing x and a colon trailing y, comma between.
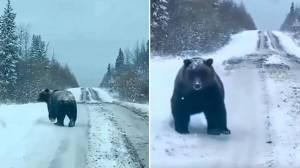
x: 76, y: 92
x: 241, y: 44
x: 262, y: 113
x: 288, y: 43
x: 107, y: 97
x: 104, y: 95
x: 144, y: 108
x: 274, y: 59
x: 106, y: 145
x: 29, y: 139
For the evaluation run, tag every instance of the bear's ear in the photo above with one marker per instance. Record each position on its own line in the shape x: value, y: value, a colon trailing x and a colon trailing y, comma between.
x: 209, y: 62
x: 187, y: 62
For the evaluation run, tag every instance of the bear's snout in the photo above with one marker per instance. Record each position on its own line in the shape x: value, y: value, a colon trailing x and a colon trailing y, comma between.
x: 197, y: 85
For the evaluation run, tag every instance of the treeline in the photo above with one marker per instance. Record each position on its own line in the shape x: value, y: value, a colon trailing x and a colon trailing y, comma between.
x: 25, y: 67
x: 201, y: 25
x: 292, y: 21
x: 130, y: 75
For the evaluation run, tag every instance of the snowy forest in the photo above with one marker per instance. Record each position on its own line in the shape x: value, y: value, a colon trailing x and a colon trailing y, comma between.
x: 192, y: 25
x: 292, y: 21
x: 25, y: 65
x: 130, y: 75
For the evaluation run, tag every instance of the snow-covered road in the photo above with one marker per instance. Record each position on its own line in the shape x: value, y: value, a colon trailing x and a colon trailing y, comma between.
x: 130, y: 130
x: 262, y: 94
x: 105, y: 135
x: 28, y: 139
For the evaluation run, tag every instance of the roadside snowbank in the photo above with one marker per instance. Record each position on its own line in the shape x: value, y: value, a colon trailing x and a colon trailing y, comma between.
x: 15, y: 122
x: 29, y: 139
x: 240, y: 45
x: 104, y: 95
x: 76, y: 92
x: 288, y: 44
x: 107, y: 97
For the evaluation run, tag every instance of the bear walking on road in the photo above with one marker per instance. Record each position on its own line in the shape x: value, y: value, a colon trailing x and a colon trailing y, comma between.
x: 60, y: 104
x: 198, y: 88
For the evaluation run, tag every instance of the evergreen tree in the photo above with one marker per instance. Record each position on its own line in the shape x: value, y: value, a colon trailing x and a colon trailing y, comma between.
x: 108, y: 69
x: 8, y: 53
x: 24, y: 66
x: 133, y: 83
x: 38, y: 72
x: 38, y: 49
x: 291, y: 22
x: 292, y: 9
x: 120, y: 61
x: 23, y: 41
x: 201, y: 26
x: 159, y: 23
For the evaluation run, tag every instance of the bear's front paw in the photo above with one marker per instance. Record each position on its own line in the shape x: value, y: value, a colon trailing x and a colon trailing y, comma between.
x: 213, y: 131
x: 181, y: 131
x: 59, y: 124
x: 226, y: 131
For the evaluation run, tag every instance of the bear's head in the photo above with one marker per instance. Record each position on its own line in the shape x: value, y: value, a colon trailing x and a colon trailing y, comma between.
x: 44, y: 96
x: 198, y: 73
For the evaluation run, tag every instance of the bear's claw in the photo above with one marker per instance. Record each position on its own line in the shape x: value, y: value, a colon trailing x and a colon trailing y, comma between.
x: 226, y: 131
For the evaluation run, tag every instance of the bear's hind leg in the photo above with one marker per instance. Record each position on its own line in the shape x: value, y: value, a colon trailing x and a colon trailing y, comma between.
x: 72, y: 120
x: 72, y: 114
x: 71, y: 123
x: 60, y: 120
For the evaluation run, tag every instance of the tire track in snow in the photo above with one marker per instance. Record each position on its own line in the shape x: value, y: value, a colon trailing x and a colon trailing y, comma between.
x: 135, y: 130
x: 106, y: 128
x: 281, y: 89
x: 107, y: 147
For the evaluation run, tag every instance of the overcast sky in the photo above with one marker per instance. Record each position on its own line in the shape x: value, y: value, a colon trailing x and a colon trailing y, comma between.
x: 85, y: 34
x: 268, y: 14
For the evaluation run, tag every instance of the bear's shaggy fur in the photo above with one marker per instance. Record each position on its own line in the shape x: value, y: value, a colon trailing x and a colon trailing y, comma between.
x: 198, y: 88
x: 60, y: 104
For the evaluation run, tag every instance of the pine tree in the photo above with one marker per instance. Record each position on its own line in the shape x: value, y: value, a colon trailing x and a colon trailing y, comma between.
x: 23, y: 41
x: 38, y: 49
x: 8, y: 52
x: 108, y: 69
x: 120, y: 61
x: 290, y: 22
x: 132, y: 82
x: 39, y: 65
x: 292, y: 9
x: 202, y: 26
x: 159, y: 24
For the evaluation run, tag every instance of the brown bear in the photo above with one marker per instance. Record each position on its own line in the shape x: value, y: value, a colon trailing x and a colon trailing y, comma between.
x: 60, y: 104
x: 197, y: 89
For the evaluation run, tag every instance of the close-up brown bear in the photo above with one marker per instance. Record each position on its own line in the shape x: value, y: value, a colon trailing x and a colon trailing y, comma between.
x: 198, y: 88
